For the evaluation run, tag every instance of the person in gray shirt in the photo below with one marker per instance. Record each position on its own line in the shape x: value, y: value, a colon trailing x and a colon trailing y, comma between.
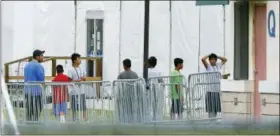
x: 127, y: 73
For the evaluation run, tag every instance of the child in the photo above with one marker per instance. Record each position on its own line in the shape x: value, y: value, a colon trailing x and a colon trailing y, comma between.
x: 60, y: 94
x: 177, y: 94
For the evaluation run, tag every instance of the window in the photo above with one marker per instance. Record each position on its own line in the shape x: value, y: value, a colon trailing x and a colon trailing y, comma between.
x: 94, y: 41
x: 241, y: 40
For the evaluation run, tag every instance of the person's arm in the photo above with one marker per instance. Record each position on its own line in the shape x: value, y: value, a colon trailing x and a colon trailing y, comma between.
x: 83, y: 78
x: 204, y: 61
x: 223, y: 59
x: 40, y: 73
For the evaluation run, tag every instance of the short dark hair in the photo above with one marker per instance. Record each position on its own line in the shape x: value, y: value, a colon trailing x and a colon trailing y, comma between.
x: 74, y: 57
x: 127, y: 63
x: 59, y: 69
x: 213, y: 56
x: 178, y: 61
x: 152, y: 61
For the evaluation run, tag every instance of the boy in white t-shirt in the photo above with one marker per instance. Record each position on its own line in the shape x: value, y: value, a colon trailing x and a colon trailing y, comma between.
x: 77, y: 74
x: 152, y: 70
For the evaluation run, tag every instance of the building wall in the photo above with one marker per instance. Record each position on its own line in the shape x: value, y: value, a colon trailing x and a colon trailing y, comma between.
x: 269, y: 88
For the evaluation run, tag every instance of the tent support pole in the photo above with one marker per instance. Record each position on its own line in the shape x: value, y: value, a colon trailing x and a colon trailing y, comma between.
x: 199, y: 39
x: 120, y: 37
x: 146, y: 37
x: 75, y: 31
x: 224, y: 32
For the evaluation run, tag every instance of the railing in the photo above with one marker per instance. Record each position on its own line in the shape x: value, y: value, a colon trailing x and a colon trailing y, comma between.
x: 53, y: 60
x: 166, y: 99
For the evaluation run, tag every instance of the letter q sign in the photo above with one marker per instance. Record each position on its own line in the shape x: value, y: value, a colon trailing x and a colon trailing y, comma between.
x: 271, y: 24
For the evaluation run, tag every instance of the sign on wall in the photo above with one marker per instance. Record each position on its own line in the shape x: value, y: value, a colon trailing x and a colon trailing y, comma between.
x: 271, y: 24
x: 211, y: 2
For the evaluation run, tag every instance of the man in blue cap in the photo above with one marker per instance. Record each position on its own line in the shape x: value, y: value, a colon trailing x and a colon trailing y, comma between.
x: 34, y: 72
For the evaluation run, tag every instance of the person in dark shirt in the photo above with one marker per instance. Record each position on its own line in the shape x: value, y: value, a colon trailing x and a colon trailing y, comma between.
x: 127, y: 73
x: 60, y: 94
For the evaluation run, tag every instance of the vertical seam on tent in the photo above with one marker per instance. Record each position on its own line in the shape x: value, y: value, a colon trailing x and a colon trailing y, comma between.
x: 120, y: 36
x: 170, y: 36
x: 199, y: 39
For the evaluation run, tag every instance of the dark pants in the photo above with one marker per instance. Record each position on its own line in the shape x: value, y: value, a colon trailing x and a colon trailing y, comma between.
x: 176, y: 106
x: 78, y: 105
x: 33, y: 107
x: 213, y: 102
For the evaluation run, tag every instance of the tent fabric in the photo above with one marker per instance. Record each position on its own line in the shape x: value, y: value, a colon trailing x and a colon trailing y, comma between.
x: 49, y: 25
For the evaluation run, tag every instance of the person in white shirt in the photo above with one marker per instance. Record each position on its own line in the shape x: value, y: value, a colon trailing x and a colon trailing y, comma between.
x: 158, y: 96
x: 77, y: 74
x: 212, y: 99
x: 213, y: 65
x: 152, y: 70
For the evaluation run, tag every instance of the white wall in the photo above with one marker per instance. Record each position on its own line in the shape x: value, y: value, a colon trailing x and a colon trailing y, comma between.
x: 273, y: 45
x: 50, y: 26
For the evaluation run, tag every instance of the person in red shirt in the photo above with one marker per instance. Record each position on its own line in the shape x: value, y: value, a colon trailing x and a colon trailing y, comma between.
x: 60, y: 94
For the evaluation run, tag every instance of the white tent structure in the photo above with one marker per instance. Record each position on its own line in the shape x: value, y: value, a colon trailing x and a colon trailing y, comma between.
x: 174, y: 32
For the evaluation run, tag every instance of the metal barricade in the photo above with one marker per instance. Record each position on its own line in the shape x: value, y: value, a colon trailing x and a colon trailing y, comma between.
x: 130, y: 101
x: 56, y: 98
x: 24, y: 97
x: 204, y: 95
x: 40, y: 102
x: 164, y: 104
x: 95, y: 101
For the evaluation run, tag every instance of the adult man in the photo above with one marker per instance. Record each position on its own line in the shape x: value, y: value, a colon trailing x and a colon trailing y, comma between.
x: 127, y: 93
x: 77, y: 74
x: 34, y: 72
x: 177, y: 94
x: 212, y: 99
x: 127, y: 73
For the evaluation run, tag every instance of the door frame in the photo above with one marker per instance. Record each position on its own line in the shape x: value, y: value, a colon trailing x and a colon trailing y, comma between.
x: 256, y: 94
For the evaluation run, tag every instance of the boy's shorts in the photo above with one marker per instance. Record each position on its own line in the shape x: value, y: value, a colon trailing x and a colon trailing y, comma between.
x: 78, y: 105
x: 60, y: 107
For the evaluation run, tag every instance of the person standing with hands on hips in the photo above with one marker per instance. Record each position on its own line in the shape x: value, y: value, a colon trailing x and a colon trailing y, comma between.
x: 78, y: 99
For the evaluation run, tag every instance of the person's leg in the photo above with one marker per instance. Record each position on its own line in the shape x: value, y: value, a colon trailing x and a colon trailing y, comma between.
x: 180, y: 109
x: 73, y: 107
x: 28, y: 107
x: 37, y: 107
x: 62, y: 111
x: 32, y: 107
x: 83, y: 106
x: 173, y: 109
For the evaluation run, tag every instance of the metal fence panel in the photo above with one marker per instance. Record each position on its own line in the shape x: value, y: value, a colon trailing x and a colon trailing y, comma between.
x: 200, y: 86
x: 163, y: 105
x: 93, y: 97
x: 130, y: 100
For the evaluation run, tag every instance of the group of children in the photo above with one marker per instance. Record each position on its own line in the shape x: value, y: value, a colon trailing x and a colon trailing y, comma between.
x: 62, y: 94
x: 76, y: 74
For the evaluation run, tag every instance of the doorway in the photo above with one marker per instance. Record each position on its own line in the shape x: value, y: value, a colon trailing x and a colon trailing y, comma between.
x: 259, y: 25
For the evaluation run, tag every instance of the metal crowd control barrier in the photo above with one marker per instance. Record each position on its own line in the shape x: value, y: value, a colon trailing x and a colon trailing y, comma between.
x: 163, y: 104
x: 95, y: 98
x: 124, y: 101
x: 130, y: 102
x: 39, y: 102
x: 204, y: 96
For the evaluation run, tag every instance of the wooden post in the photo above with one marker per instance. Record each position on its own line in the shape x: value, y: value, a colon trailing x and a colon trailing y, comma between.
x: 6, y: 73
x: 53, y: 67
